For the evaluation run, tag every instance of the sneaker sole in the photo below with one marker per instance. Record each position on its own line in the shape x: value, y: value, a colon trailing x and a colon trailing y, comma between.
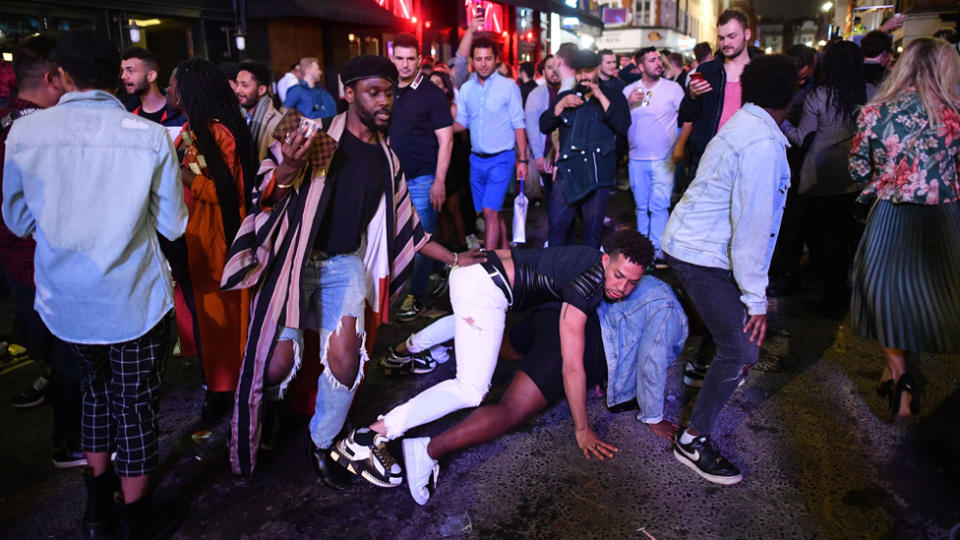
x: 349, y: 465
x: 723, y: 480
x: 691, y: 382
x: 69, y: 464
x: 30, y: 405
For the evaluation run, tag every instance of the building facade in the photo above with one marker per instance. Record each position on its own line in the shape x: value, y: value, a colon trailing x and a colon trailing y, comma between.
x: 666, y: 24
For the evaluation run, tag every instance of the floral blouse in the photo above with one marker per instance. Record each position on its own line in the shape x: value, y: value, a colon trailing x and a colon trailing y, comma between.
x: 901, y: 159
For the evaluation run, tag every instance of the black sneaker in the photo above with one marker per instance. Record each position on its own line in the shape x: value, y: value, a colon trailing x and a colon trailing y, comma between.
x: 442, y: 283
x: 409, y: 309
x: 364, y: 453
x: 419, y: 363
x: 693, y: 375
x: 65, y: 456
x: 702, y: 455
x: 33, y: 396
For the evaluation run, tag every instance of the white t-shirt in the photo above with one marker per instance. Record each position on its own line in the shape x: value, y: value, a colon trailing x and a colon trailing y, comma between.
x: 288, y: 80
x: 653, y: 127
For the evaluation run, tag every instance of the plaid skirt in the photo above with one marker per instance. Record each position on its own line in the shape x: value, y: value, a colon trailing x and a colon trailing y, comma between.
x: 906, y: 278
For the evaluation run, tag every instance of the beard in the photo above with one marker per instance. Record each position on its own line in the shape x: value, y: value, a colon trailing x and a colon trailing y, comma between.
x: 369, y: 119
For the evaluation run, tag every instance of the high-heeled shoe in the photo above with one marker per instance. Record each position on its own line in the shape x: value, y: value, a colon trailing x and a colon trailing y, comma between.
x: 904, y: 384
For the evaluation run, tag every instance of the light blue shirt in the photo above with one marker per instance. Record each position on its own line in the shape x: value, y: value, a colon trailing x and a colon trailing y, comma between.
x: 491, y: 111
x: 643, y: 334
x: 730, y: 215
x: 94, y: 184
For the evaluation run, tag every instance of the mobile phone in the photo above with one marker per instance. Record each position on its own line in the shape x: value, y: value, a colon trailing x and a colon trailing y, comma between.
x: 478, y: 9
x: 697, y: 76
x: 308, y: 127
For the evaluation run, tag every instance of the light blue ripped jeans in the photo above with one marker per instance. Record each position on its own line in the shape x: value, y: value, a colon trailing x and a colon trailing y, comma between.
x: 334, y: 288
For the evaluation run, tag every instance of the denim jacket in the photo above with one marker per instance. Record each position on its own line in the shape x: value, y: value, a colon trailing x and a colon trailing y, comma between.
x: 586, y: 157
x: 95, y: 184
x: 642, y: 335
x: 730, y: 215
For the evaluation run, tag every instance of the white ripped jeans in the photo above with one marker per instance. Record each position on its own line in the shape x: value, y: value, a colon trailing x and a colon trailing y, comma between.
x: 480, y: 308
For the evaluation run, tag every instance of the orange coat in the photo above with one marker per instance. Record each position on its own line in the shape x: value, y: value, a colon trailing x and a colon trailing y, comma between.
x: 222, y: 316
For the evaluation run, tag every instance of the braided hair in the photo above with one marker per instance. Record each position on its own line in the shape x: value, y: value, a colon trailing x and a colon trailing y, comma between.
x: 206, y: 97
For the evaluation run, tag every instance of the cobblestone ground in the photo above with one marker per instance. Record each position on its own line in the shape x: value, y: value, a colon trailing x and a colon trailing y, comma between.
x: 820, y: 457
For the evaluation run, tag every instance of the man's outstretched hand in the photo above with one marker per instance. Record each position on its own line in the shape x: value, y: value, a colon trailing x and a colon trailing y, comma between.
x: 589, y: 443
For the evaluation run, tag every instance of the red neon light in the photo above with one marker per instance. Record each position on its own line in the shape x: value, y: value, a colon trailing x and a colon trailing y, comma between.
x: 413, y: 20
x: 426, y: 24
x: 406, y: 13
x: 530, y: 36
x: 506, y: 34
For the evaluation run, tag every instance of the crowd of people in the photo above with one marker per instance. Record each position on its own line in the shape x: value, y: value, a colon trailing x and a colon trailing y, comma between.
x: 279, y: 210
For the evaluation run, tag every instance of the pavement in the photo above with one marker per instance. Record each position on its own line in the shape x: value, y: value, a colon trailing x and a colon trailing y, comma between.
x: 820, y: 457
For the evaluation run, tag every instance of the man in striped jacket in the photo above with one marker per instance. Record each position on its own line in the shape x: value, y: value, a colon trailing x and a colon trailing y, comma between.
x: 332, y: 235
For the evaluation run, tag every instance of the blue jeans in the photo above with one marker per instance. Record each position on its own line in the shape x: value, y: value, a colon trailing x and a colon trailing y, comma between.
x: 419, y: 188
x: 560, y: 215
x: 334, y: 288
x: 652, y: 184
x: 716, y: 297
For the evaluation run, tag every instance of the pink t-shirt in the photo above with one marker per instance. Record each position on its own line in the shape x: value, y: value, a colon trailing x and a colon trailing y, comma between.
x: 731, y: 102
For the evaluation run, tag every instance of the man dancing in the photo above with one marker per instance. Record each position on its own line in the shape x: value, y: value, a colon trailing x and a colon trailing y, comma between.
x: 333, y: 234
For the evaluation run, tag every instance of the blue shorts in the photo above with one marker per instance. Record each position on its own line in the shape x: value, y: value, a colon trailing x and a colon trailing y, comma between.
x: 489, y: 179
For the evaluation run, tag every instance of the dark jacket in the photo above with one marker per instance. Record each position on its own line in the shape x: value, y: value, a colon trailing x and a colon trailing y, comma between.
x: 705, y: 111
x: 587, y: 156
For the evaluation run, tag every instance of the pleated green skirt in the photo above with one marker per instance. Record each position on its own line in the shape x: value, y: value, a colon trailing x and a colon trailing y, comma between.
x: 905, y: 278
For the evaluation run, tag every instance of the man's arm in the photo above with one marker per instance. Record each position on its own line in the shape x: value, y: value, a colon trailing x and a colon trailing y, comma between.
x: 617, y: 114
x: 531, y: 118
x: 16, y: 215
x: 752, y: 216
x: 572, y: 325
x: 439, y: 253
x: 462, y: 121
x: 515, y: 110
x: 460, y: 71
x: 664, y: 332
x: 166, y: 194
x: 680, y: 147
x: 551, y: 118
x: 293, y: 96
x: 438, y: 191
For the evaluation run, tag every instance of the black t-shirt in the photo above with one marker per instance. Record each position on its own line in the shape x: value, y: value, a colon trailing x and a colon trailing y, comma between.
x: 571, y: 274
x: 419, y: 109
x: 164, y: 116
x: 525, y: 90
x: 358, y: 173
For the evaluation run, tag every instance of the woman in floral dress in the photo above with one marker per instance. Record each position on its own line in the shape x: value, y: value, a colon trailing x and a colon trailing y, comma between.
x: 906, y: 272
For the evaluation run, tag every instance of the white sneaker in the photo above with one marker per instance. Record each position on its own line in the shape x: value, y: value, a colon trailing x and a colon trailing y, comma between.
x: 421, y: 469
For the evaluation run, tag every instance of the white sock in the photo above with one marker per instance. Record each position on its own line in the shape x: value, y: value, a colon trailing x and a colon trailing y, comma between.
x: 686, y: 437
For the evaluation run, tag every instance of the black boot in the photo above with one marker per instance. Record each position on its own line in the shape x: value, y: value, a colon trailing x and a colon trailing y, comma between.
x: 333, y: 476
x: 271, y: 424
x: 141, y: 520
x: 98, y: 518
x: 215, y: 406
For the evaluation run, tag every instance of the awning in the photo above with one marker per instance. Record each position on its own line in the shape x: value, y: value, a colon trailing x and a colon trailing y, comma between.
x: 352, y: 11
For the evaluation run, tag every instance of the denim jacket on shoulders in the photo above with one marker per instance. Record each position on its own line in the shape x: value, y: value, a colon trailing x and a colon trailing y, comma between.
x: 95, y: 184
x: 730, y: 215
x: 642, y: 335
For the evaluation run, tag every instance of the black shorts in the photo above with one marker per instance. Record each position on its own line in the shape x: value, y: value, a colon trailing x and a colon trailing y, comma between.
x: 537, y: 337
